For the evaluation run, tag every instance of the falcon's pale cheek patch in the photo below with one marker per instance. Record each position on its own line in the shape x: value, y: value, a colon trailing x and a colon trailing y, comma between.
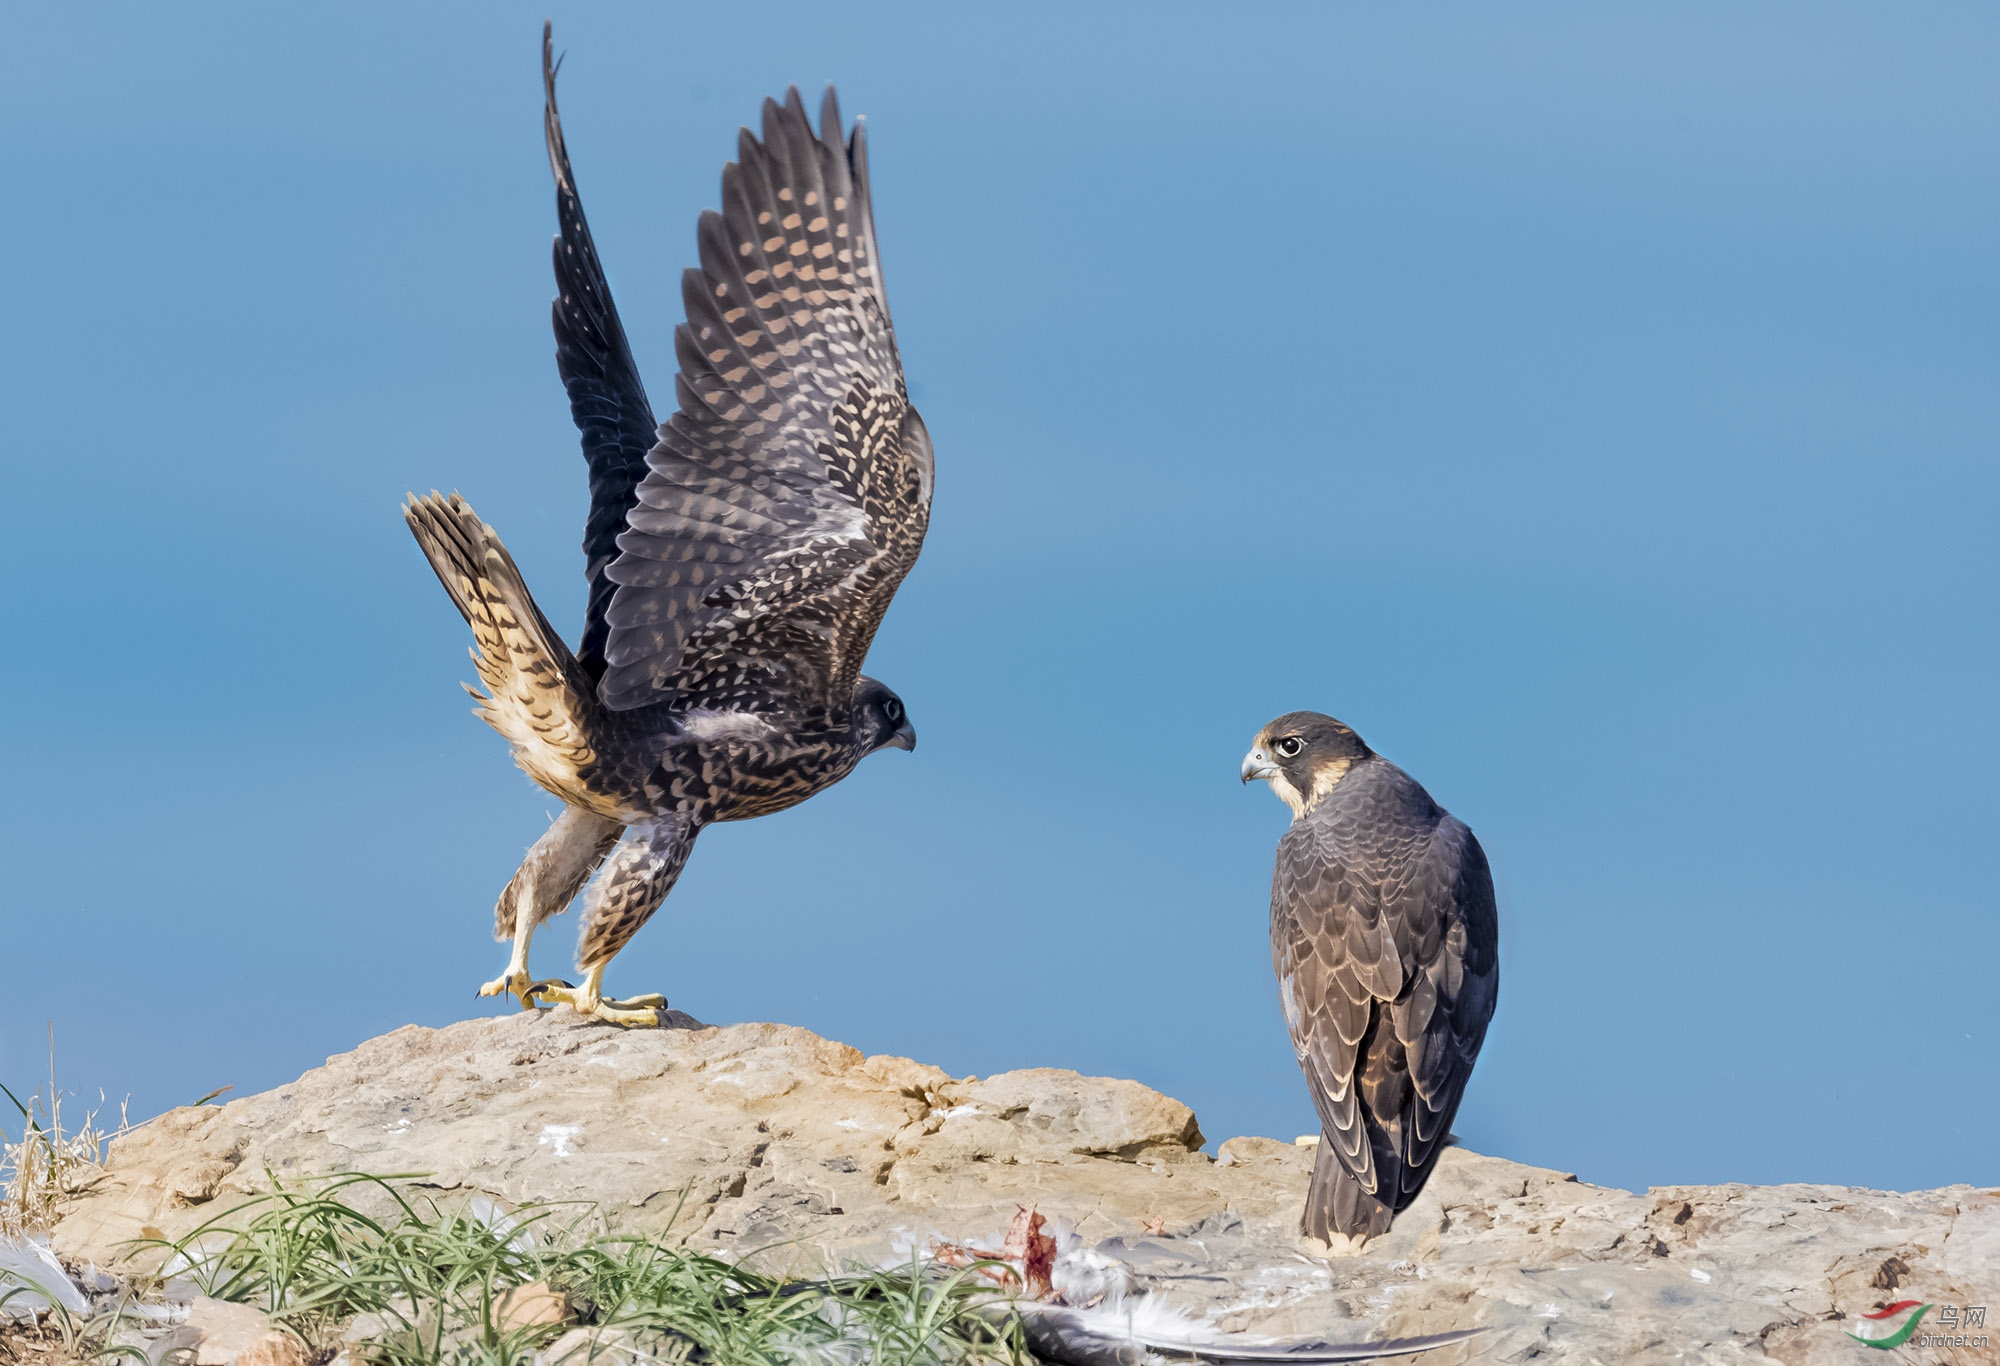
x: 1327, y: 776
x: 1288, y: 794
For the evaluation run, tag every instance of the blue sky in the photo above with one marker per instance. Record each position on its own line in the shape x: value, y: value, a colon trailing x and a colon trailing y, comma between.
x: 1594, y: 406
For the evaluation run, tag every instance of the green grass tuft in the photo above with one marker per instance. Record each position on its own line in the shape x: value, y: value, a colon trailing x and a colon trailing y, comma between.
x: 426, y: 1283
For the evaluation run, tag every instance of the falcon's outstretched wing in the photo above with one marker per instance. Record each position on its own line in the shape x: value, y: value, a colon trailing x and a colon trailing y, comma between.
x: 789, y: 495
x: 605, y: 396
x: 1386, y: 951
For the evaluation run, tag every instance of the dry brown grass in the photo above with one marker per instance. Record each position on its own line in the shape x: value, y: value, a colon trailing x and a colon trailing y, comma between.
x: 42, y: 1162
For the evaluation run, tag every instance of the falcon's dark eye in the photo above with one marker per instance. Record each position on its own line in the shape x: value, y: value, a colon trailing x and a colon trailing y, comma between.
x: 893, y: 709
x: 1289, y: 747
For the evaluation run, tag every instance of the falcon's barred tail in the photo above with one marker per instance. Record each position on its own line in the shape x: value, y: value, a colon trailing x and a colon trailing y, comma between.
x: 536, y: 694
x: 1336, y: 1203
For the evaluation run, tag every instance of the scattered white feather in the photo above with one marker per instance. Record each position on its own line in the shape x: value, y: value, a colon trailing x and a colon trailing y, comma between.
x: 94, y: 1282
x: 195, y: 1257
x: 1148, y: 1318
x: 32, y: 1281
x: 501, y: 1221
x: 1083, y: 1275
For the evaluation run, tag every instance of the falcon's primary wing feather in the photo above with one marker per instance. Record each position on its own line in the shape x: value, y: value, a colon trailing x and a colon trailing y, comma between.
x: 606, y: 398
x: 789, y: 495
x: 1450, y: 946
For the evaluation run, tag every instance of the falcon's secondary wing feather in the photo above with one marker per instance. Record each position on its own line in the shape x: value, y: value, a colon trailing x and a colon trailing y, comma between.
x: 1324, y: 985
x: 606, y: 398
x: 789, y: 495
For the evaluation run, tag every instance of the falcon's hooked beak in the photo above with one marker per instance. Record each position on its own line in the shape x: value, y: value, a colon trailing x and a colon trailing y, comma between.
x: 1257, y: 764
x: 905, y: 737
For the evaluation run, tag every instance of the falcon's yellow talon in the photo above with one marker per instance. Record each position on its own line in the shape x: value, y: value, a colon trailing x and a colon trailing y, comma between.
x: 629, y: 1019
x: 516, y: 983
x: 651, y: 1000
x: 637, y: 1012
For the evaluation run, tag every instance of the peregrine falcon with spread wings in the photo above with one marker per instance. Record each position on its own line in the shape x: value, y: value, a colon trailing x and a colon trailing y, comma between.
x: 1387, y: 947
x: 740, y: 555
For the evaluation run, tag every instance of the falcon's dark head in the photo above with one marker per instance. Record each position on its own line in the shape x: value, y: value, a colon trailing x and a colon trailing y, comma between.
x: 1302, y: 755
x: 879, y: 718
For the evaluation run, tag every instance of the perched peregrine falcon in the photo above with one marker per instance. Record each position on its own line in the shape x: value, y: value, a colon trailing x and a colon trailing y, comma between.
x: 1386, y: 944
x: 740, y: 555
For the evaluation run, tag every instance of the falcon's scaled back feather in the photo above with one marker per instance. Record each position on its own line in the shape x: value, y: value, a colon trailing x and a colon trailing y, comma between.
x: 790, y: 492
x: 606, y: 398
x: 1384, y: 937
x: 1372, y: 950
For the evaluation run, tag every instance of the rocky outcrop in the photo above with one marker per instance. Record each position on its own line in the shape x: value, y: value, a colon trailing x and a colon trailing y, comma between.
x: 769, y: 1140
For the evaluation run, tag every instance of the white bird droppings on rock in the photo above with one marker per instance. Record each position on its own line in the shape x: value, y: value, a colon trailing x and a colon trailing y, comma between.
x: 558, y: 1136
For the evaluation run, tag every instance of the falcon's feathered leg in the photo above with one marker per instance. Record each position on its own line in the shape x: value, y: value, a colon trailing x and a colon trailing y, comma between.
x: 548, y: 880
x: 635, y: 880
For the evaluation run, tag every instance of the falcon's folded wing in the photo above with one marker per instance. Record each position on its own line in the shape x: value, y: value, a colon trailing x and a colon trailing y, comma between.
x: 1387, y: 964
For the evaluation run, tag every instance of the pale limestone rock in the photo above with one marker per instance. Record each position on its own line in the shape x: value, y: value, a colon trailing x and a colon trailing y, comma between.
x: 161, y: 1347
x: 527, y: 1306
x: 769, y: 1137
x: 228, y: 1331
x: 274, y: 1349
